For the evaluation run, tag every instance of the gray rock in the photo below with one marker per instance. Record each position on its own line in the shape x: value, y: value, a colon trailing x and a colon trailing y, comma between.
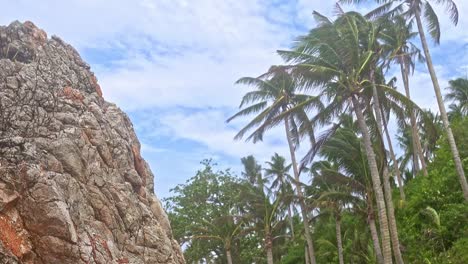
x: 73, y: 185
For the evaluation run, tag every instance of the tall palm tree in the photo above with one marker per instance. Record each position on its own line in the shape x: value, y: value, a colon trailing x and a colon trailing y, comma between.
x: 278, y: 171
x: 458, y: 94
x: 380, y: 119
x: 277, y: 101
x: 419, y: 9
x: 434, y: 31
x: 397, y: 37
x: 335, y: 59
x: 373, y: 44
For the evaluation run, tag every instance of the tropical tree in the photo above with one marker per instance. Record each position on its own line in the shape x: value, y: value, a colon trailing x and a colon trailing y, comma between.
x: 207, y: 206
x: 398, y: 48
x: 252, y: 170
x: 332, y: 200
x: 405, y: 141
x: 281, y: 181
x: 419, y: 9
x: 386, y: 181
x: 432, y: 129
x: 276, y: 101
x: 374, y: 45
x: 334, y: 58
x: 264, y: 209
x: 458, y: 95
x: 345, y: 150
x: 226, y: 229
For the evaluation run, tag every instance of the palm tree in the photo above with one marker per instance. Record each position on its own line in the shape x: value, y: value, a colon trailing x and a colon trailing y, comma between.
x: 252, y: 170
x: 458, y: 94
x: 264, y: 210
x: 281, y: 181
x: 375, y: 31
x: 332, y: 200
x: 417, y: 9
x: 226, y: 229
x: 386, y: 182
x: 334, y: 58
x: 431, y: 132
x: 405, y: 141
x: 344, y: 149
x: 399, y: 48
x: 276, y: 101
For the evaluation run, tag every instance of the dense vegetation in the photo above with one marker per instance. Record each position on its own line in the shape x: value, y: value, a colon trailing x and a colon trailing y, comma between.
x: 359, y: 195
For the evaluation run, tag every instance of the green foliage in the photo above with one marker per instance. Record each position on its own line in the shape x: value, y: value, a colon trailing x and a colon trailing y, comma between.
x: 433, y: 223
x: 295, y: 253
x: 207, y: 196
x: 340, y: 61
x: 458, y: 253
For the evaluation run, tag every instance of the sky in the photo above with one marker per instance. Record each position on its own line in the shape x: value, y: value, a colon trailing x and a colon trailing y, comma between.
x: 171, y: 65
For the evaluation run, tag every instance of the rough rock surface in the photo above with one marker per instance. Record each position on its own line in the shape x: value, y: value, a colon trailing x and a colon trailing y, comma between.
x: 73, y: 185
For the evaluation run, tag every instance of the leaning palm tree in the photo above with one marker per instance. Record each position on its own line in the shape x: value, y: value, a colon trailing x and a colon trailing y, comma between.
x: 458, y: 94
x: 396, y: 38
x: 334, y: 59
x: 419, y: 9
x: 278, y: 171
x: 373, y: 31
x: 381, y: 122
x: 277, y: 101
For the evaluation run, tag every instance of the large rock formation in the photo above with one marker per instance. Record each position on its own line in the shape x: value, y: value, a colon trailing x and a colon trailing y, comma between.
x: 73, y: 185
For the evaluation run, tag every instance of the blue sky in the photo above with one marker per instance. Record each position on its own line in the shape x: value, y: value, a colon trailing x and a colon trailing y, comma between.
x: 171, y: 65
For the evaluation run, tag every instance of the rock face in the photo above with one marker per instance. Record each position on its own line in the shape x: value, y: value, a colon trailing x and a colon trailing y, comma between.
x: 73, y: 185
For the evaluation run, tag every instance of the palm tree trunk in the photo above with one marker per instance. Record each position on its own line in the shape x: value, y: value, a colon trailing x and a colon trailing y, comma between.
x: 391, y: 219
x: 387, y: 188
x: 373, y: 230
x: 338, y: 239
x: 393, y: 157
x: 443, y: 112
x: 415, y: 163
x: 417, y: 149
x: 379, y: 197
x: 229, y: 256
x: 269, y: 249
x: 305, y: 218
x: 307, y: 259
x: 291, y: 221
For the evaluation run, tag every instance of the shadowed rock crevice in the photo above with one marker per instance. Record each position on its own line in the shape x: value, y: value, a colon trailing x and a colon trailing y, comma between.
x: 74, y: 187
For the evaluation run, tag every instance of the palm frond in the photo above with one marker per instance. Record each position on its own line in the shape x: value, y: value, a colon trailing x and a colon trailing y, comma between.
x: 432, y: 22
x: 451, y: 9
x: 321, y: 19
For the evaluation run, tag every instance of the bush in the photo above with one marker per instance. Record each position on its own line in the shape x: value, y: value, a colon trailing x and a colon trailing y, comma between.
x: 433, y: 223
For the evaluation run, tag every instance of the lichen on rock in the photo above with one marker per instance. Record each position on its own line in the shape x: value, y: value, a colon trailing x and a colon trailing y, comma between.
x: 73, y: 185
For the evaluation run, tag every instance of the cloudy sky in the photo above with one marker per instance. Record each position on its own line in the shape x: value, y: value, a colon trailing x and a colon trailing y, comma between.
x: 171, y: 65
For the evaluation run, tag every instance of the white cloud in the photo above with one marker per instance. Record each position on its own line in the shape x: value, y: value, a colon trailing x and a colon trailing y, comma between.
x: 209, y: 128
x: 168, y: 55
x: 172, y: 52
